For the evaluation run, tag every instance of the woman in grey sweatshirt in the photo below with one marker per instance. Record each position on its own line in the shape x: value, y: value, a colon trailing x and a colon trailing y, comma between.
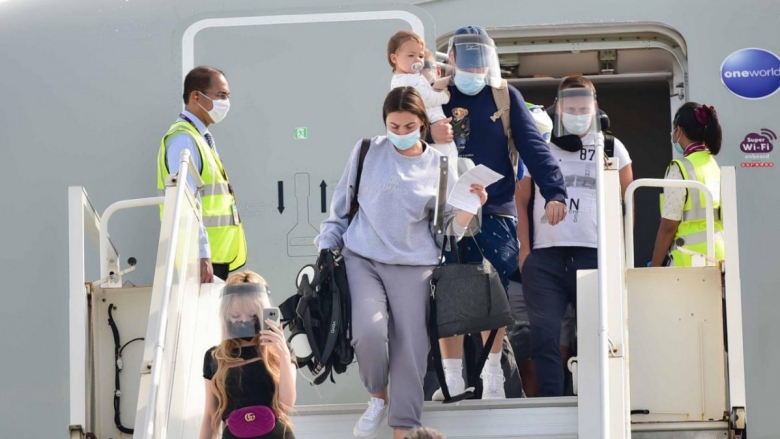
x: 390, y: 250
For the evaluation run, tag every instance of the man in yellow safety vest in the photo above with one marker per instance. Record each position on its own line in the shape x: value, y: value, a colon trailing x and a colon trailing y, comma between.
x: 222, y: 242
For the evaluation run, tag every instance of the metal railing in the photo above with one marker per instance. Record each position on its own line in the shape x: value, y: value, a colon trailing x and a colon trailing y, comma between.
x: 109, y: 263
x: 186, y: 165
x: 663, y: 183
x: 601, y: 220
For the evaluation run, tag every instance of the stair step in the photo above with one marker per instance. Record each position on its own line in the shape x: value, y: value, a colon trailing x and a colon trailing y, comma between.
x: 549, y: 418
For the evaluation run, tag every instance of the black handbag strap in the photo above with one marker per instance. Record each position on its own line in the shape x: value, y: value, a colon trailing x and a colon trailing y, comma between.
x: 435, y: 354
x: 483, y: 356
x: 463, y: 252
x: 433, y: 334
x: 453, y: 244
x: 458, y: 250
x: 459, y: 255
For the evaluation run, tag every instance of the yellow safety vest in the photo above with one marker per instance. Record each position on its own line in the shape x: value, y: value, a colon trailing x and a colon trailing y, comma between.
x: 223, y: 225
x: 691, y: 233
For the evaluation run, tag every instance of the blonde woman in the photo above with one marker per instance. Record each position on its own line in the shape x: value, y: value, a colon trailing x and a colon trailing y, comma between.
x: 250, y: 377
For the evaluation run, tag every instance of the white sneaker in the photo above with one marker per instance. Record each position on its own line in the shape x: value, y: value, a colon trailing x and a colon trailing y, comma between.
x: 455, y: 384
x: 368, y: 424
x: 493, y: 384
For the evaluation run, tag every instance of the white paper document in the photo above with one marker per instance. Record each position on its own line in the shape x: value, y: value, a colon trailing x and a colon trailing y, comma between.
x: 460, y: 196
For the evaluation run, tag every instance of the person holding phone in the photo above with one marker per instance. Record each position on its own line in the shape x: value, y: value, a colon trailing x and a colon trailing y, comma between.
x: 250, y: 375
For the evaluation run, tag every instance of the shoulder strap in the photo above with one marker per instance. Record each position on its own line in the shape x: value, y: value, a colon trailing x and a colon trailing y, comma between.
x: 609, y: 144
x: 363, y: 152
x: 362, y: 158
x: 530, y: 212
x: 501, y: 97
x: 441, y: 197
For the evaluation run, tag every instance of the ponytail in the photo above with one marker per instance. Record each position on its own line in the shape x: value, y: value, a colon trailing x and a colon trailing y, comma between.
x: 700, y: 124
x: 713, y: 135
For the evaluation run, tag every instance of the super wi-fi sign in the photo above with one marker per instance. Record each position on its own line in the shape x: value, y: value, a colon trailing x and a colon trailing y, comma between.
x: 759, y: 143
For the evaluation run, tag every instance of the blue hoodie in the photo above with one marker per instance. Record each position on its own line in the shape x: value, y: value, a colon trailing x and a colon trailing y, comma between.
x: 486, y: 144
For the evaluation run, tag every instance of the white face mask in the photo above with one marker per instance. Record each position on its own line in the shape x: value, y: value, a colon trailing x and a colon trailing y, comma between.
x: 577, y: 124
x: 219, y: 110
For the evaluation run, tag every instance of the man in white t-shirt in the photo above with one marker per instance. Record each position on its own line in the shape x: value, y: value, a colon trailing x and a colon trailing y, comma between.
x: 550, y: 270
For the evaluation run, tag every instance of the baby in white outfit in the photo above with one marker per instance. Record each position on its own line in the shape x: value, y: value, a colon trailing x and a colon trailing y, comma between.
x: 410, y: 60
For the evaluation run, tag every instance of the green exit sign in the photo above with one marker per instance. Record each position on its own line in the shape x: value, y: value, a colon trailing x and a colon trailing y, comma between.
x: 301, y: 133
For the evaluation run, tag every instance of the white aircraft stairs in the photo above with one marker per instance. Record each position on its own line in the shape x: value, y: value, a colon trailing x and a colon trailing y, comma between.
x: 682, y: 381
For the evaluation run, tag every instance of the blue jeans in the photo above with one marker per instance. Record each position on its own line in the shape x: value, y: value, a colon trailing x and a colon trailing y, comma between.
x: 497, y: 239
x: 549, y: 284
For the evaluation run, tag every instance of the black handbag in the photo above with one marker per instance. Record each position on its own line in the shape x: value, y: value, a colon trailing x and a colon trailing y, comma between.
x: 466, y: 298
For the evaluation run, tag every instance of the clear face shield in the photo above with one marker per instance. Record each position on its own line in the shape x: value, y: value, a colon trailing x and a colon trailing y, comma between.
x: 243, y: 310
x: 576, y: 113
x: 475, y: 62
x: 428, y: 70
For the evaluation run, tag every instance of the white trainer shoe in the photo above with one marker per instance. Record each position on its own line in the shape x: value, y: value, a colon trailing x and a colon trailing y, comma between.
x: 493, y: 384
x: 368, y: 424
x: 455, y: 384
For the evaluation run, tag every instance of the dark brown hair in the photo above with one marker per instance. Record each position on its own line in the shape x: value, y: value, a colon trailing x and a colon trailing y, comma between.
x: 701, y: 127
x: 398, y: 39
x: 409, y: 100
x: 199, y: 79
x: 576, y: 82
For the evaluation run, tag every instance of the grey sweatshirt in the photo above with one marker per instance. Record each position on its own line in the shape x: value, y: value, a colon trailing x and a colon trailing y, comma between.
x: 397, y: 200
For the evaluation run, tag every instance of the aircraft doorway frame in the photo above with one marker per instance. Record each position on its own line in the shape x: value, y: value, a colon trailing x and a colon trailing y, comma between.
x: 547, y: 39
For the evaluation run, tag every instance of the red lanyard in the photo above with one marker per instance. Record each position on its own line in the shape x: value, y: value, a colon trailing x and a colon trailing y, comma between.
x: 694, y: 147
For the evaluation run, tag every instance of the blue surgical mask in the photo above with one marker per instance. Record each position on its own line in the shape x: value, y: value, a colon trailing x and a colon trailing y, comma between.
x: 469, y: 83
x: 404, y: 142
x: 676, y: 145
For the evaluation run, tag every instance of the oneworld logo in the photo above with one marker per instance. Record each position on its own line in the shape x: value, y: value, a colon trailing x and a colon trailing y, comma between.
x: 751, y: 73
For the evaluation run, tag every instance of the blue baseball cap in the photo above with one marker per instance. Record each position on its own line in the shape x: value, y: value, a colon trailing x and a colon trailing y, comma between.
x: 471, y: 30
x: 469, y: 45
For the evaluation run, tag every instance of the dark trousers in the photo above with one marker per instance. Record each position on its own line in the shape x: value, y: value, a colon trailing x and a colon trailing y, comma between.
x: 549, y: 284
x: 221, y: 270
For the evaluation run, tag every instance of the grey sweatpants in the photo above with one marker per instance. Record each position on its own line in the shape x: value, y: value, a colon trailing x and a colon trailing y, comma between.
x: 390, y: 332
